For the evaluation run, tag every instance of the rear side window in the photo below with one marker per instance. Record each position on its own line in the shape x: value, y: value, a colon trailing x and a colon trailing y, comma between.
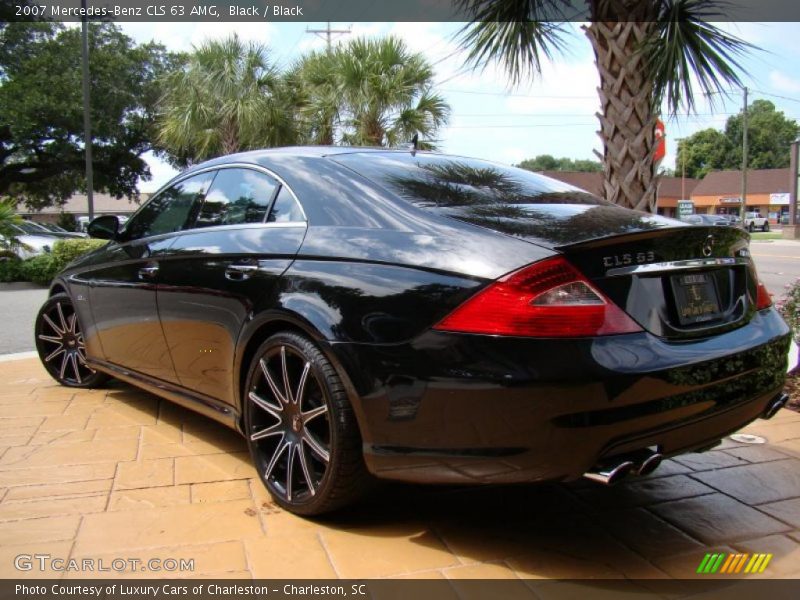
x: 171, y: 210
x: 286, y: 209
x: 429, y: 180
x: 237, y: 196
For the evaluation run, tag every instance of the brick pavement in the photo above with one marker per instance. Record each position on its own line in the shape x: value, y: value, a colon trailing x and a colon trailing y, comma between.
x: 118, y: 473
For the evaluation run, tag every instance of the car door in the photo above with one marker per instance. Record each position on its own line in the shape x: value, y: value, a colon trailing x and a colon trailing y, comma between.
x: 224, y: 269
x: 123, y: 284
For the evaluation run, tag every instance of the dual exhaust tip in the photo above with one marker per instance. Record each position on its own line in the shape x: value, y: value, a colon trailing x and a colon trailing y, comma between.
x: 773, y: 407
x: 647, y: 461
x: 612, y: 472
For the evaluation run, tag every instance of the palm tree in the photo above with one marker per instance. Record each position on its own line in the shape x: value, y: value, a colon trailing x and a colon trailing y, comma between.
x: 372, y: 93
x: 8, y: 234
x: 228, y: 97
x: 646, y: 52
x: 319, y: 100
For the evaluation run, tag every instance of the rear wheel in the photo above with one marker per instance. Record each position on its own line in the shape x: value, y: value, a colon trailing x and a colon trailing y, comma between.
x: 300, y: 428
x: 751, y: 228
x: 766, y: 226
x: 59, y: 341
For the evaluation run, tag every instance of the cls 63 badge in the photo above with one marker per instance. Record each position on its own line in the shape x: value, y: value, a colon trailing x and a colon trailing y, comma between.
x: 629, y: 258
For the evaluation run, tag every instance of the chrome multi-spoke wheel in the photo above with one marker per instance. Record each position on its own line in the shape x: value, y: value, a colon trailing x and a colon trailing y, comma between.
x: 59, y: 341
x: 300, y: 427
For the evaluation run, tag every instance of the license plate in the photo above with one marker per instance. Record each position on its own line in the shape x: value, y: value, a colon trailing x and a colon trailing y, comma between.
x: 695, y: 298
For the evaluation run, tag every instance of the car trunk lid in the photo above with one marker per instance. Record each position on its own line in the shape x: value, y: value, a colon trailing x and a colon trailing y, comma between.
x: 677, y: 281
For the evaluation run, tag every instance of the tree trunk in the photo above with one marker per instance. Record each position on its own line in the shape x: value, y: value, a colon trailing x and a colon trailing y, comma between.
x: 230, y: 138
x: 628, y: 115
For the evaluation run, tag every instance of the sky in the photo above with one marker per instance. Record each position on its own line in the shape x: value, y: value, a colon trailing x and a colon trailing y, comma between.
x: 551, y: 114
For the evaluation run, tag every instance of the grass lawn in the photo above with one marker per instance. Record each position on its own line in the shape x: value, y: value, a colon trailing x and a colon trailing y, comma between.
x: 768, y: 235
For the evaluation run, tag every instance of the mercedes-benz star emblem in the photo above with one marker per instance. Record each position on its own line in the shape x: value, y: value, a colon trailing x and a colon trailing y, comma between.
x: 708, y: 246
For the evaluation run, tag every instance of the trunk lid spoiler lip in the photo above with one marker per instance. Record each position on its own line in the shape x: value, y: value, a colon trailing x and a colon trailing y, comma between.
x: 633, y: 236
x: 677, y: 265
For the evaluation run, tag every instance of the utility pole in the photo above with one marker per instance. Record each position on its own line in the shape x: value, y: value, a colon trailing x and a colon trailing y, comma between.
x: 794, y: 167
x: 743, y: 208
x: 327, y: 33
x: 683, y: 168
x: 87, y: 117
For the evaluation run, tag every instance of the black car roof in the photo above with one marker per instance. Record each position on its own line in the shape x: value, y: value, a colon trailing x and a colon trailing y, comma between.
x: 305, y: 151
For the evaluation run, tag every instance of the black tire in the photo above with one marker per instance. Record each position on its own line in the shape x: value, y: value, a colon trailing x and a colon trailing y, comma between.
x: 59, y: 342
x: 305, y: 444
x: 765, y: 228
x: 751, y: 228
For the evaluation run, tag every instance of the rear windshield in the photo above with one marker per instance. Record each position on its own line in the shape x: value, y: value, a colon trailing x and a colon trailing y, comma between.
x: 428, y: 180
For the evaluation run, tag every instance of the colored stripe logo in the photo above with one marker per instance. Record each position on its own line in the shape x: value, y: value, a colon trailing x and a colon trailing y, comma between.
x: 731, y: 564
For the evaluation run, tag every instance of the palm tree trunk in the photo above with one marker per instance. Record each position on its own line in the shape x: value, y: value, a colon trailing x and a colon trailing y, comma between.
x: 628, y: 115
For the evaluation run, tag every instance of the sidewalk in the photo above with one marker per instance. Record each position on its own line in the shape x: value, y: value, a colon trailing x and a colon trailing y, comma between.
x: 118, y: 473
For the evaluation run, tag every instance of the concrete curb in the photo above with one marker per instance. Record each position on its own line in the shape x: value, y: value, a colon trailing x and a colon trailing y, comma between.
x: 18, y: 356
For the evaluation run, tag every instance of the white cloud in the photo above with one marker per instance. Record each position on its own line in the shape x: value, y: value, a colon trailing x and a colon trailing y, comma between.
x: 784, y: 83
x: 161, y: 172
x: 180, y: 37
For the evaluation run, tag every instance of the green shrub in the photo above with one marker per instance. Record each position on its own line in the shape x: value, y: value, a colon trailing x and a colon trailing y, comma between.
x: 10, y: 268
x: 65, y: 251
x: 38, y: 269
x: 43, y: 268
x: 67, y: 221
x: 789, y: 307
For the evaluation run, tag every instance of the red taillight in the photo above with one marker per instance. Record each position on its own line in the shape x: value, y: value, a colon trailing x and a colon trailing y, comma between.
x: 547, y: 299
x: 763, y: 299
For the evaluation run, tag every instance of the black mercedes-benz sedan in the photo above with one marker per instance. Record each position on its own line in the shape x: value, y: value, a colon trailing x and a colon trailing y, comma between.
x: 360, y: 313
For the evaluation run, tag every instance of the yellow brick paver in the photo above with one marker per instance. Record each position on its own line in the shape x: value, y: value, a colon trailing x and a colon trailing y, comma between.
x: 145, y: 473
x: 149, y: 497
x: 112, y: 473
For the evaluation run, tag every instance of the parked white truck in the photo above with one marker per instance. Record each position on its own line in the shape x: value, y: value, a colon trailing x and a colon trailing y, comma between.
x: 754, y: 220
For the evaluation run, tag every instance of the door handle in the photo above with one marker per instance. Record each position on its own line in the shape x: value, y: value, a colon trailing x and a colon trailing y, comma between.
x: 240, y: 272
x: 148, y: 272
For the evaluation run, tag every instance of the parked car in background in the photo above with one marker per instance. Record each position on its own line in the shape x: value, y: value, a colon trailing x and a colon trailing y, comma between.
x: 54, y: 229
x: 706, y: 220
x: 420, y: 317
x: 754, y: 220
x: 32, y: 239
x: 734, y: 220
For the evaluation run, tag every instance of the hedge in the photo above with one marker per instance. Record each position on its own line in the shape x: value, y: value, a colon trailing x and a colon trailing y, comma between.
x: 44, y: 267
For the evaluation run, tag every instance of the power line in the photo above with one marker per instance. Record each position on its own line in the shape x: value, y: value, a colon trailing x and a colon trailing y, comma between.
x: 777, y: 96
x: 508, y: 95
x: 583, y: 114
x: 522, y: 126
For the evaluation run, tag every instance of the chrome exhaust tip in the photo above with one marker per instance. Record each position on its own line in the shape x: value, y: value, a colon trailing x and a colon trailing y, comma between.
x: 774, y: 406
x: 650, y: 464
x: 610, y: 474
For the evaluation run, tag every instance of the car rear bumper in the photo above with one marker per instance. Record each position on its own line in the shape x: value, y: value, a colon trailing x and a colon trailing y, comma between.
x: 450, y: 408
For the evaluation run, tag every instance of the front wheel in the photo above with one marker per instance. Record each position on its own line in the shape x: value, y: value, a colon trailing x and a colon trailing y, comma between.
x: 59, y: 341
x: 300, y: 428
x: 765, y: 227
x: 751, y: 228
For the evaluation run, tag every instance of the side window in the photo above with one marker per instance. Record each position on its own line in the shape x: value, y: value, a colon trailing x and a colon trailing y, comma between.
x: 237, y: 196
x: 171, y: 210
x: 286, y: 208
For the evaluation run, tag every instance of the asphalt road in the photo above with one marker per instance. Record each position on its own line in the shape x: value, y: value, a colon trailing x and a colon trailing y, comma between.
x: 19, y: 303
x: 778, y: 263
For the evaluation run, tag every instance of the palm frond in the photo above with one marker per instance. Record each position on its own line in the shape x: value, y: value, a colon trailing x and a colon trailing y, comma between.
x: 686, y: 46
x: 515, y: 34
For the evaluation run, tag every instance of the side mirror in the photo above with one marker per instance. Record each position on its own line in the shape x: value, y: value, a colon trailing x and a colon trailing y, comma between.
x: 105, y: 227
